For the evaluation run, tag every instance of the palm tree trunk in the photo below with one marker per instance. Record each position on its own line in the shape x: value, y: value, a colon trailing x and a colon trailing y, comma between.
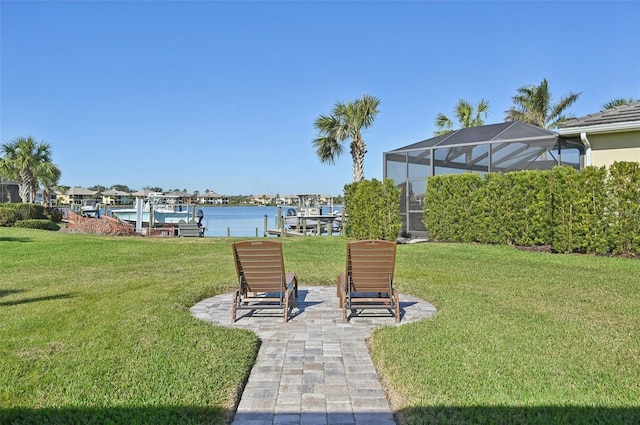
x: 358, y: 151
x: 24, y: 185
x: 23, y: 191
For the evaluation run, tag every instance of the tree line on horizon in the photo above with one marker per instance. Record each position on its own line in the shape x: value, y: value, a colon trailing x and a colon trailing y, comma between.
x: 30, y: 163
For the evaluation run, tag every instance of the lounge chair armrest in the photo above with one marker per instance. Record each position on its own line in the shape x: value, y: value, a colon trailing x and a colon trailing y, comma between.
x: 341, y: 285
x: 341, y: 288
x: 291, y: 280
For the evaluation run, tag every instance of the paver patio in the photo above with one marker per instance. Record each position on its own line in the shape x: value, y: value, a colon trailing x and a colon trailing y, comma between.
x: 314, y: 369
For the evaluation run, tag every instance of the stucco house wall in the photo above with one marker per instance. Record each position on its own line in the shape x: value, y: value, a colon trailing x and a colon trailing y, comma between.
x: 608, y: 148
x: 610, y: 136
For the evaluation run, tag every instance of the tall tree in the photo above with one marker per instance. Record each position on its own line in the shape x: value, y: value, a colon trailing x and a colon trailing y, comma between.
x: 29, y: 163
x: 346, y: 121
x: 618, y: 101
x: 49, y: 179
x: 532, y: 105
x: 466, y: 115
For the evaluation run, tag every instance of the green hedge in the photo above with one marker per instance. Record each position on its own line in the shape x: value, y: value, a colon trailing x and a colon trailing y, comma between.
x: 34, y: 223
x: 591, y: 211
x: 373, y: 210
x: 11, y: 213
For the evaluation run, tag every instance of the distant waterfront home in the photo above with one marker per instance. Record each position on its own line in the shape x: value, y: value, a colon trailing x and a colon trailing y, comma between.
x: 76, y: 196
x: 262, y: 199
x: 40, y: 197
x: 508, y: 146
x: 116, y: 197
x: 178, y: 197
x: 287, y: 199
x: 212, y: 198
x: 609, y: 136
x: 141, y: 193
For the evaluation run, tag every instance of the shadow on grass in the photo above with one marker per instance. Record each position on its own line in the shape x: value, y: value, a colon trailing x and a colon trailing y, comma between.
x: 115, y: 415
x: 13, y: 239
x: 574, y: 415
x: 34, y: 299
x: 5, y: 292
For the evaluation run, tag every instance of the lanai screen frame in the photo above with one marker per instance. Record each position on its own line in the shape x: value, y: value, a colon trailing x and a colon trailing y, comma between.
x: 487, y: 151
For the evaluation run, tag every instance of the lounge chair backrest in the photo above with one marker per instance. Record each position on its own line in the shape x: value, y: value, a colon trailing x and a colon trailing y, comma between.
x: 370, y: 265
x: 259, y: 265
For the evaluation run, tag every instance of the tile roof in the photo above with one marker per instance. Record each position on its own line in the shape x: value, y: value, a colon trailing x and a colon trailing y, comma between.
x: 620, y: 114
x: 115, y: 192
x: 80, y: 191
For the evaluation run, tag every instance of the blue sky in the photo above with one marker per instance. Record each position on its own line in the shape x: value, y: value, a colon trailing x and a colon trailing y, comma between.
x: 223, y: 95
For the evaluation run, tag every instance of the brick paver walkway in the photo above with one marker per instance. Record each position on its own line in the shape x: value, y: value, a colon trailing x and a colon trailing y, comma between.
x: 314, y: 369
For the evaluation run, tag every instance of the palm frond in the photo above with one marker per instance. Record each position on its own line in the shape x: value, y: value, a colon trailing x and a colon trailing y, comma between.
x: 619, y: 101
x: 443, y: 122
x: 328, y: 149
x: 345, y: 122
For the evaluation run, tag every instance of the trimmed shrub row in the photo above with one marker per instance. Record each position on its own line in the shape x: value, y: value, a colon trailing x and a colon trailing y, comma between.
x: 34, y: 216
x: 34, y: 223
x: 590, y: 211
x: 373, y: 209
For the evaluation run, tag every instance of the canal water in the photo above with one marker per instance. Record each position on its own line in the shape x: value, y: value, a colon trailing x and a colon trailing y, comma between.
x: 239, y: 221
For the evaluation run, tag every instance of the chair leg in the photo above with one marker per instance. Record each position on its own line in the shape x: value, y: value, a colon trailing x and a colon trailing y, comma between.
x: 234, y: 308
x: 286, y: 306
x: 396, y: 299
x: 340, y: 289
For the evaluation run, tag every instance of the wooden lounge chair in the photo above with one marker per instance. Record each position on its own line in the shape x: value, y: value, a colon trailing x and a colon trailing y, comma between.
x: 262, y: 280
x: 368, y: 281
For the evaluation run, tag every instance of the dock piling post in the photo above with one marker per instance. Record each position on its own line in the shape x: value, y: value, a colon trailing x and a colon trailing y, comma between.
x: 265, y: 227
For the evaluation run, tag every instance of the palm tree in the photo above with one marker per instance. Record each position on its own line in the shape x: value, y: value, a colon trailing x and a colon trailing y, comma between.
x: 49, y: 179
x: 29, y: 163
x: 466, y: 114
x: 532, y: 105
x: 346, y: 121
x: 618, y: 101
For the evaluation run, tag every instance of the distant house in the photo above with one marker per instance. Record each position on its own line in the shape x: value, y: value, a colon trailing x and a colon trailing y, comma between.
x: 40, y: 197
x: 212, y: 198
x: 262, y: 199
x: 287, y: 199
x: 609, y: 136
x: 141, y: 193
x: 178, y: 197
x: 116, y: 197
x: 76, y: 196
x: 9, y: 191
x: 295, y: 199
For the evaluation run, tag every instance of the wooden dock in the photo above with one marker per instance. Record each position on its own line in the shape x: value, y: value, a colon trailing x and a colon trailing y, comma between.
x: 323, y: 225
x: 279, y: 232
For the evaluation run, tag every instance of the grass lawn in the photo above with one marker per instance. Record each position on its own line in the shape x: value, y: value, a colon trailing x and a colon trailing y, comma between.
x: 98, y: 330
